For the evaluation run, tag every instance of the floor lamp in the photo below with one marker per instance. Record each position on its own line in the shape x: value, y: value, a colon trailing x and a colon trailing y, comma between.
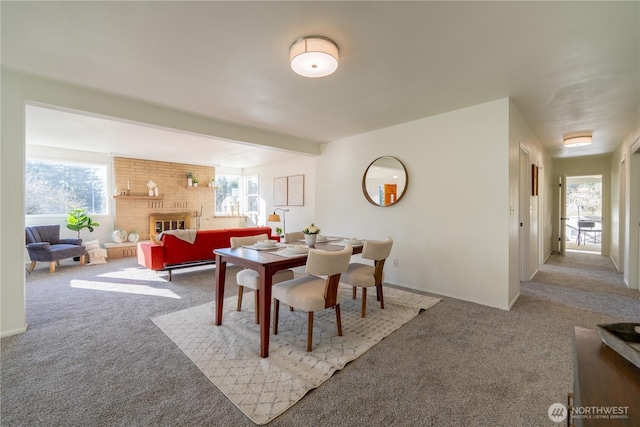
x: 274, y: 217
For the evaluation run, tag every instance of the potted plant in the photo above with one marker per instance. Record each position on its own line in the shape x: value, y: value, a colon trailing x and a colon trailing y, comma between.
x: 311, y: 234
x: 195, y: 181
x: 78, y: 219
x: 189, y: 179
x: 279, y: 232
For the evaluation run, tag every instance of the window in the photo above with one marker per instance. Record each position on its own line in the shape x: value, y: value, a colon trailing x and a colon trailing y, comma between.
x: 252, y: 198
x: 54, y: 187
x: 228, y: 194
x: 237, y: 195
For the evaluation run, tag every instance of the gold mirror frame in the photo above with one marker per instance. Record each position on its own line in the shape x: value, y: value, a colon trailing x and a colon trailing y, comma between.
x: 380, y: 170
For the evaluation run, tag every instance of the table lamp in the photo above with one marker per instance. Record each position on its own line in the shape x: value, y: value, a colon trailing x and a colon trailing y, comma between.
x: 274, y: 217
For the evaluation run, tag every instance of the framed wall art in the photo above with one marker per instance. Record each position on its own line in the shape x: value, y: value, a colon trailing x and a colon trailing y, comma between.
x: 295, y: 190
x: 280, y: 191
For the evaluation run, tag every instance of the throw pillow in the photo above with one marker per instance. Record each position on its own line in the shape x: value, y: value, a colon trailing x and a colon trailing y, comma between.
x: 93, y: 244
x: 97, y: 256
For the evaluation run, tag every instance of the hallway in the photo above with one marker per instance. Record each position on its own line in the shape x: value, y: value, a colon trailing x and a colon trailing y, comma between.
x: 586, y: 281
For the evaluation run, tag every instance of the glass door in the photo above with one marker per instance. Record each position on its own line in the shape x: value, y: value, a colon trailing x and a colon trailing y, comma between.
x: 583, y: 213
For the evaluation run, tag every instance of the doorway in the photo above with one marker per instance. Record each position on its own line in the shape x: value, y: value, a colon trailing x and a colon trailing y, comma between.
x: 583, y: 213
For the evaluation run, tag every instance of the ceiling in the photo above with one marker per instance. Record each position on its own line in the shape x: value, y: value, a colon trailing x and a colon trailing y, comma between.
x: 567, y: 66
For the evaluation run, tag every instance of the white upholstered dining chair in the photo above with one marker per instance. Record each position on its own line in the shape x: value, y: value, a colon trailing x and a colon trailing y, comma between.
x: 248, y: 278
x: 311, y: 293
x: 293, y: 236
x: 364, y: 276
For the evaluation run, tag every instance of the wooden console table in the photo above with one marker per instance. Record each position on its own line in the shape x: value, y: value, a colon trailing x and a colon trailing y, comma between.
x: 603, y: 381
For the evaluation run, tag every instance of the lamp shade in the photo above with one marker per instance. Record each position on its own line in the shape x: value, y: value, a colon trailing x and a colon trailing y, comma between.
x: 577, y: 141
x: 314, y: 56
x: 273, y: 218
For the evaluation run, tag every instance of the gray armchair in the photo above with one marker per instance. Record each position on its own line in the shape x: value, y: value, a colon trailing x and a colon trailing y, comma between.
x: 44, y: 244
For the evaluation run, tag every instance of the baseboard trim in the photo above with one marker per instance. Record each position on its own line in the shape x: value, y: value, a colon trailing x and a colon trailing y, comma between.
x: 514, y: 300
x: 615, y: 264
x: 13, y: 332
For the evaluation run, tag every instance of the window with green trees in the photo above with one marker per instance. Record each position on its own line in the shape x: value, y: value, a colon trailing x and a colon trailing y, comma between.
x: 53, y: 187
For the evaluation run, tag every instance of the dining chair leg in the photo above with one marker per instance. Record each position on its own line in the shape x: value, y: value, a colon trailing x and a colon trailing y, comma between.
x: 33, y: 265
x: 364, y: 302
x: 354, y: 292
x: 380, y: 296
x: 257, y: 304
x: 276, y: 306
x: 310, y: 332
x: 338, y: 320
x: 240, y: 292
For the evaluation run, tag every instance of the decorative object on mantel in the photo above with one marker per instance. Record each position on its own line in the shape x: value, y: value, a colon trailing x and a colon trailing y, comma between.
x: 311, y: 234
x: 119, y: 235
x: 133, y: 236
x: 151, y: 186
x: 195, y: 181
x: 189, y: 179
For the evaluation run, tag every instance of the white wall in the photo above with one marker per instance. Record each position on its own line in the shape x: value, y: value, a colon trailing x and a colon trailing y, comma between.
x: 12, y: 238
x: 451, y: 228
x: 540, y: 212
x: 298, y: 217
x: 626, y: 253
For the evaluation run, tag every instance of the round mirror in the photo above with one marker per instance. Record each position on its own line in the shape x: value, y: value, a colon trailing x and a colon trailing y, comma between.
x: 385, y: 181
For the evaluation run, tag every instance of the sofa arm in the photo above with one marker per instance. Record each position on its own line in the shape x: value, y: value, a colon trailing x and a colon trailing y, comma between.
x: 39, y: 247
x: 71, y: 241
x: 151, y: 256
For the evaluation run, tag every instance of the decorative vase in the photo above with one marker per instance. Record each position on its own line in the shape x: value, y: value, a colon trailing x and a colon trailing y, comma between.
x: 133, y: 236
x: 195, y: 184
x: 150, y: 192
x: 119, y: 235
x: 155, y: 192
x: 189, y: 182
x: 310, y: 239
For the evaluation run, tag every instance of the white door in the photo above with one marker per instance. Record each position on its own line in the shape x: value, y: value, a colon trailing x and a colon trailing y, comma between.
x: 524, y: 207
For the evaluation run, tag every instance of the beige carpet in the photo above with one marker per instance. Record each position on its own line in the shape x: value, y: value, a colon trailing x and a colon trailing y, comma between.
x: 229, y: 355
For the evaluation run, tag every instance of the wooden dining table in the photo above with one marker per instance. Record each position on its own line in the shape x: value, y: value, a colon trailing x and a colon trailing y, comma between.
x: 266, y: 264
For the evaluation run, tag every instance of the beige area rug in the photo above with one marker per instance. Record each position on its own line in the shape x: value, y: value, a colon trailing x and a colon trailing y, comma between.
x: 229, y: 355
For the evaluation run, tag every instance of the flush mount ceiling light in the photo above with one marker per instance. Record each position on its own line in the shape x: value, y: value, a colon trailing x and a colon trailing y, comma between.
x: 314, y: 56
x: 577, y: 141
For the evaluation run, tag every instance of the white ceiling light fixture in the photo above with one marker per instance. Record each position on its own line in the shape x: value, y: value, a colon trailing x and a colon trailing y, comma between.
x: 314, y: 56
x: 577, y: 140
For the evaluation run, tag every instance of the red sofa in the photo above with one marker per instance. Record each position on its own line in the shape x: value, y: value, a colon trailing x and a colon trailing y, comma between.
x: 173, y: 252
